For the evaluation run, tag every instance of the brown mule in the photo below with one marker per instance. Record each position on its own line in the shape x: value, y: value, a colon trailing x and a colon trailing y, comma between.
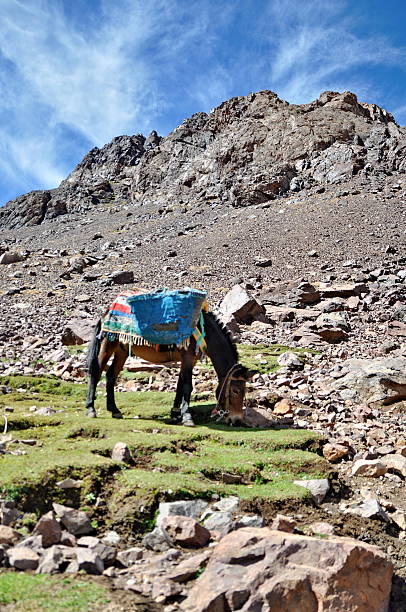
x: 221, y: 350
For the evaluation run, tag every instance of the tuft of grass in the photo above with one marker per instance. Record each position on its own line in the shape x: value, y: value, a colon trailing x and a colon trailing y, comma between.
x: 20, y: 592
x: 264, y: 357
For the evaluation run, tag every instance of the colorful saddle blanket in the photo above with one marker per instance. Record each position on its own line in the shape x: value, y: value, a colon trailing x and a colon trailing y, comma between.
x: 160, y: 318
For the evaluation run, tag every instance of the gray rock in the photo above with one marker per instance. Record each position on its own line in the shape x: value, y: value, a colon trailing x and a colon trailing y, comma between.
x: 372, y: 380
x: 75, y: 521
x: 318, y: 488
x: 248, y: 520
x: 129, y: 556
x: 124, y: 277
x: 370, y: 508
x: 193, y: 509
x: 111, y: 538
x: 227, y: 504
x: 121, y: 453
x: 55, y: 559
x: 242, y: 307
x: 34, y: 542
x: 78, y: 331
x: 219, y: 521
x: 291, y: 360
x: 11, y: 257
x: 23, y: 558
x: 89, y: 561
x: 156, y: 540
x: 372, y: 468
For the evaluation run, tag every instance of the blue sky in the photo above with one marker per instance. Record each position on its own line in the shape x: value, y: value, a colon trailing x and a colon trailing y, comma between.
x: 76, y: 73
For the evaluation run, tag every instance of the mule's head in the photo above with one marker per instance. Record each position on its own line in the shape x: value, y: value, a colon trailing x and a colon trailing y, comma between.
x: 230, y: 394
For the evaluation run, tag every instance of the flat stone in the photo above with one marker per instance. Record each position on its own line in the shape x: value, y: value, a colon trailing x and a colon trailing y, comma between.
x: 129, y: 556
x: 373, y: 468
x: 23, y: 558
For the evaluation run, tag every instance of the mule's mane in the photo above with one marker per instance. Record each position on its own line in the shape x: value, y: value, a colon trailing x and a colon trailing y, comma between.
x: 225, y: 332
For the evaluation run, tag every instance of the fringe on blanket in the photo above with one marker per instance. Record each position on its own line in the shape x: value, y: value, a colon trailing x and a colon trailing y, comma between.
x: 134, y: 340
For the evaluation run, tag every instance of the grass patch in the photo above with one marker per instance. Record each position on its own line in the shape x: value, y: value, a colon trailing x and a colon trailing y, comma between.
x: 264, y: 357
x: 20, y: 592
x: 187, y: 462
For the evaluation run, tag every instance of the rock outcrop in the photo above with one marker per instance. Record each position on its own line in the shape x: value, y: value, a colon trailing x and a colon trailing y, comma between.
x: 262, y: 569
x: 249, y: 150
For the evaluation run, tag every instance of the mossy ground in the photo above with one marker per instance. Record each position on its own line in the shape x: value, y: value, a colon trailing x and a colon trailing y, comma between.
x: 20, y: 592
x: 169, y: 461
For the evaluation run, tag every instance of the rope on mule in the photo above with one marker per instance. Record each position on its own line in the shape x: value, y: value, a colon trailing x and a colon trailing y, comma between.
x: 219, y: 413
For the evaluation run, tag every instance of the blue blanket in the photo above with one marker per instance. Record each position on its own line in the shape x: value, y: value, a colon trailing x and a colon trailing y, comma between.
x: 167, y: 317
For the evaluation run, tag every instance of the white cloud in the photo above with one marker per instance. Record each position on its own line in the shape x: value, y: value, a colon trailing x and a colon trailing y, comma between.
x: 76, y: 74
x: 97, y: 77
x: 314, y: 46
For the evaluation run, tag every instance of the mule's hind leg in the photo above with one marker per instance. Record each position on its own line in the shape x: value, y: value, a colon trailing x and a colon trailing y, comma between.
x: 111, y: 376
x: 99, y: 360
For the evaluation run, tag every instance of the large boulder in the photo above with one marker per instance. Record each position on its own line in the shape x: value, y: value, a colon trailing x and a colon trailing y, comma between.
x: 238, y: 304
x: 78, y: 330
x: 265, y: 569
x: 381, y: 380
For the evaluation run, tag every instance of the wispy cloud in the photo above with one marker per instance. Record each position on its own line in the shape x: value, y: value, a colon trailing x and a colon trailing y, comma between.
x: 75, y: 74
x: 316, y: 47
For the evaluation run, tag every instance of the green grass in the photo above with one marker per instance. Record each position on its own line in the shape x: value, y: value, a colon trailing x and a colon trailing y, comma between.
x: 264, y: 357
x: 186, y: 461
x: 20, y: 592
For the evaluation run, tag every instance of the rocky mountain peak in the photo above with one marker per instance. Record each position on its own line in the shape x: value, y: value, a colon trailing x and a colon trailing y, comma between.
x: 108, y: 163
x: 248, y: 150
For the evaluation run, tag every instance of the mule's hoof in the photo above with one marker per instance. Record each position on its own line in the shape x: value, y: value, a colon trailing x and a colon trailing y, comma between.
x: 176, y: 417
x: 188, y: 423
x: 117, y: 415
x: 91, y: 413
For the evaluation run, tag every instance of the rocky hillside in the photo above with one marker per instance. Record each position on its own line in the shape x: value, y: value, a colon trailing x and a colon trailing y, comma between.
x: 301, y: 211
x: 247, y: 151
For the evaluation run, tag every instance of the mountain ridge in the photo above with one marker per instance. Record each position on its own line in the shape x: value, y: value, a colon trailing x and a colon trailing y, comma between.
x: 248, y: 150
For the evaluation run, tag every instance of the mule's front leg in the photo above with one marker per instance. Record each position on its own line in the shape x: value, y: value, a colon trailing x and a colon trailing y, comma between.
x: 111, y: 376
x: 94, y: 377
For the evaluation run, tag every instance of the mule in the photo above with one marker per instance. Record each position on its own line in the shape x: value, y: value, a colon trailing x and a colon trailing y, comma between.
x: 222, y: 351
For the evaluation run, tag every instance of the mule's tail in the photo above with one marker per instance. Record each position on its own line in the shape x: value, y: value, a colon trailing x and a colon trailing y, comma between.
x: 92, y: 363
